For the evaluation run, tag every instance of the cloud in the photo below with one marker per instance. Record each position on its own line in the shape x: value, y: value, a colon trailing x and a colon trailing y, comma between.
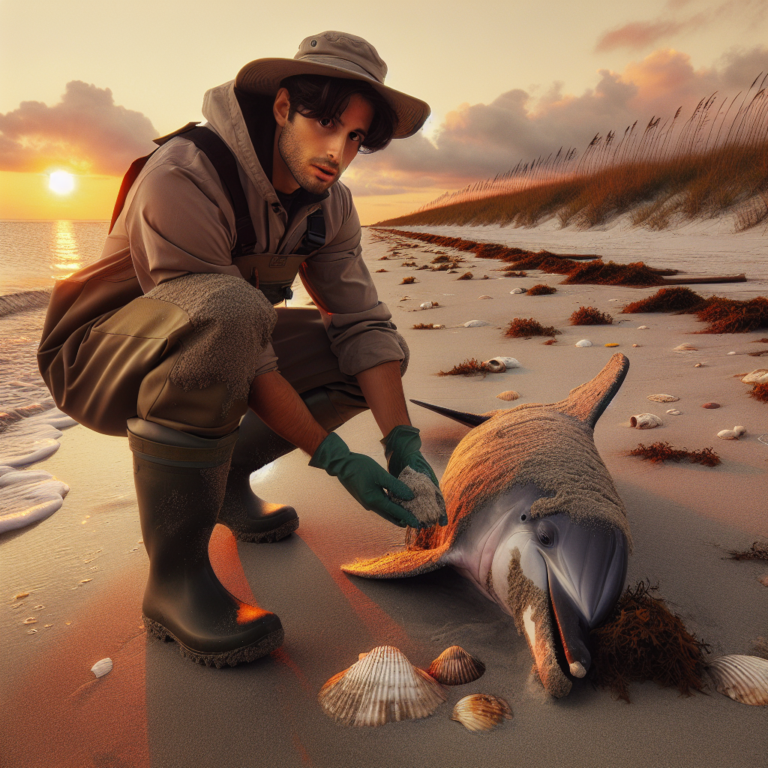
x: 639, y: 35
x: 479, y: 141
x: 85, y: 132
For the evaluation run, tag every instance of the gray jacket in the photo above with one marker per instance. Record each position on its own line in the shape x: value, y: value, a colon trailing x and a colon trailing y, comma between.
x: 178, y: 220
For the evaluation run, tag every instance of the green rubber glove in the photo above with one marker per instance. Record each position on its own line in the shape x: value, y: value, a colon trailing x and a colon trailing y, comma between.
x: 402, y: 448
x: 365, y: 480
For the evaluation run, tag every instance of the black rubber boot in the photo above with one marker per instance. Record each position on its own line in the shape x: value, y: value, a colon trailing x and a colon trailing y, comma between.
x: 180, y: 481
x: 245, y: 514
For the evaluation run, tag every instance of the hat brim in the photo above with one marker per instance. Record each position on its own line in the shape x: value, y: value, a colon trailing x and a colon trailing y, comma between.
x: 263, y: 76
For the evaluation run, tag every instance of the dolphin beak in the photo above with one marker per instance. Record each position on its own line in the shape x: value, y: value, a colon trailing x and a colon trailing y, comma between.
x: 571, y: 628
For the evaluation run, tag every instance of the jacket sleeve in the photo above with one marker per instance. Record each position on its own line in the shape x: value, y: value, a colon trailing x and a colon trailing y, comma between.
x: 358, y: 325
x: 180, y: 222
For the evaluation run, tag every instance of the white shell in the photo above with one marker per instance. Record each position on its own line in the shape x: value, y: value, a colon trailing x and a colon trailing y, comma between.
x: 510, y: 394
x: 508, y: 362
x: 101, y: 668
x: 481, y: 711
x: 495, y: 365
x: 685, y: 348
x: 758, y: 376
x: 674, y: 412
x: 645, y: 421
x: 584, y: 343
x: 475, y: 323
x: 731, y: 434
x: 517, y: 290
x: 382, y: 687
x: 426, y: 305
x: 663, y: 398
x: 743, y: 678
x: 438, y: 326
x: 455, y: 666
x: 642, y: 328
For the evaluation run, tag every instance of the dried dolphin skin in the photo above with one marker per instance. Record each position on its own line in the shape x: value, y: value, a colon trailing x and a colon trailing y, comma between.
x: 428, y: 504
x: 381, y: 687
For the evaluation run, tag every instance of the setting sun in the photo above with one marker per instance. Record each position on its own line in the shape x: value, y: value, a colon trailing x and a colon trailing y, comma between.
x: 61, y: 182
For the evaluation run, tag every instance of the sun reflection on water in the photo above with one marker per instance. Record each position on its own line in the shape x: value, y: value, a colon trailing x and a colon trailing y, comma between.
x: 66, y: 256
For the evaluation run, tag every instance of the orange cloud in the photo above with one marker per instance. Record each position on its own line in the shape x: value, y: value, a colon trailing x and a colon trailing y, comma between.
x: 85, y: 132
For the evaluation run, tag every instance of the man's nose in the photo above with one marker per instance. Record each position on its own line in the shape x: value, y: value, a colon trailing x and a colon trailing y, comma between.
x: 335, y: 148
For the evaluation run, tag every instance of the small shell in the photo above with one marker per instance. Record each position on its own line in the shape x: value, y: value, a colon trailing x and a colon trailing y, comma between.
x: 743, y: 678
x: 509, y: 362
x: 103, y: 667
x: 635, y: 345
x: 731, y: 353
x: 485, y: 296
x: 475, y: 323
x: 758, y: 376
x: 438, y: 326
x: 711, y: 406
x: 642, y: 328
x: 698, y: 365
x: 30, y: 620
x: 674, y: 412
x: 584, y: 343
x: 645, y: 421
x: 454, y: 666
x: 382, y: 687
x: 426, y: 305
x: 663, y: 398
x: 495, y: 365
x: 510, y: 394
x: 611, y: 345
x: 685, y: 348
x: 481, y: 711
x: 517, y: 290
x: 731, y: 434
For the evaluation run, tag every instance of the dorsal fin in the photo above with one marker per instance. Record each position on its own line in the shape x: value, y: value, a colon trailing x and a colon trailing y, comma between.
x: 588, y: 401
x: 468, y: 419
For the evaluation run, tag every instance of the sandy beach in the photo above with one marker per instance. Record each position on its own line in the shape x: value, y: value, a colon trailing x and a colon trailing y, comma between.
x: 84, y: 568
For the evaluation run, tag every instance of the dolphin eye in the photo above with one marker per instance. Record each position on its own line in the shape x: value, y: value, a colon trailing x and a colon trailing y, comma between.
x: 523, y: 517
x: 546, y: 535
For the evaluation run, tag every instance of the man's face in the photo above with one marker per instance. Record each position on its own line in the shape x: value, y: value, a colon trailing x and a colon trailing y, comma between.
x: 313, y: 153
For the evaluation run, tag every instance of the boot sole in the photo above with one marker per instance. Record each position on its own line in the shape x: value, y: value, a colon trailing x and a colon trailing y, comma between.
x: 276, y: 534
x: 264, y: 647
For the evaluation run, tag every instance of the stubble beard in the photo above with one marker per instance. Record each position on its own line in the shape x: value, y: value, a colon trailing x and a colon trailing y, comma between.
x: 290, y: 151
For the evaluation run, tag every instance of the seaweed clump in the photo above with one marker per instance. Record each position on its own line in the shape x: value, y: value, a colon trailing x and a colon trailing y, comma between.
x: 423, y: 326
x: 540, y: 290
x: 758, y: 551
x: 598, y: 272
x: 465, y: 276
x: 470, y: 367
x: 663, y: 451
x: 733, y: 316
x: 667, y: 300
x: 590, y: 316
x: 644, y: 640
x: 520, y: 328
x: 407, y: 280
x: 760, y: 392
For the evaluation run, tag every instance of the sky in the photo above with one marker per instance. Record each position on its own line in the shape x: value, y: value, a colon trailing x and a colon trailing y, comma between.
x: 86, y: 85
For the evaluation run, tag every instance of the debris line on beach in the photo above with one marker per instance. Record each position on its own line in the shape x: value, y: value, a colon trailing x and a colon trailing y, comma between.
x: 663, y: 451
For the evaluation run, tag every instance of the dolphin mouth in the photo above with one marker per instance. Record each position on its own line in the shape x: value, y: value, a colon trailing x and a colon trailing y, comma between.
x: 572, y: 635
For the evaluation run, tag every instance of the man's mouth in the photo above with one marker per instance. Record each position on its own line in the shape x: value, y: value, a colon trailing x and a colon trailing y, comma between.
x: 325, y: 172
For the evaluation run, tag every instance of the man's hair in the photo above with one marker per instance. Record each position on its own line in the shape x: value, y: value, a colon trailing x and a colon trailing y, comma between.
x: 318, y: 98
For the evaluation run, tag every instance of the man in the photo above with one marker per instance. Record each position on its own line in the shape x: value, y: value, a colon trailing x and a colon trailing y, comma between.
x: 184, y: 362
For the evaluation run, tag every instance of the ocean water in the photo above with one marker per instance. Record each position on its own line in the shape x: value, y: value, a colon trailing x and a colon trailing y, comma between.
x: 32, y: 255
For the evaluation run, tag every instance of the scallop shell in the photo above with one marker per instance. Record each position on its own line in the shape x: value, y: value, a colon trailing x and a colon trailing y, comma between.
x: 685, y: 348
x: 103, y: 667
x: 382, y: 687
x: 758, y: 376
x: 495, y: 365
x: 645, y: 421
x: 481, y: 711
x: 517, y: 290
x: 584, y: 343
x: 743, y: 678
x: 663, y: 398
x: 455, y: 666
x: 475, y: 323
x: 510, y: 394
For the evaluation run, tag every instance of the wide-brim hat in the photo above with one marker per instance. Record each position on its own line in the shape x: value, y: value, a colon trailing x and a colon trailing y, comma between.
x: 336, y: 54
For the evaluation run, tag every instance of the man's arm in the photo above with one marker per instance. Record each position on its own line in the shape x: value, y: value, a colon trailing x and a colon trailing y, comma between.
x: 383, y: 390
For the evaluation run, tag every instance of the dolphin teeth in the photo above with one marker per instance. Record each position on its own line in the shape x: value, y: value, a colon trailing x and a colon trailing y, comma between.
x: 743, y: 678
x: 481, y: 711
x: 577, y: 669
x: 455, y: 666
x: 381, y: 687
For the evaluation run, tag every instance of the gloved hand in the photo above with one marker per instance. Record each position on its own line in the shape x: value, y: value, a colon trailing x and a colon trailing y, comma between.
x: 402, y: 448
x: 365, y: 480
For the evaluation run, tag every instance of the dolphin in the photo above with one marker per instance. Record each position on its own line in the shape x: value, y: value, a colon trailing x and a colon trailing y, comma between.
x: 534, y: 522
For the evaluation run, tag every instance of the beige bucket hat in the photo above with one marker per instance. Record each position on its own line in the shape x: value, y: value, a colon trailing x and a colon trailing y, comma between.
x: 336, y: 54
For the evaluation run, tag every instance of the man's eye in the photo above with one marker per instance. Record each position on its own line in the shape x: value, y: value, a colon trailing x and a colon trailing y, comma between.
x: 326, y: 122
x: 356, y: 137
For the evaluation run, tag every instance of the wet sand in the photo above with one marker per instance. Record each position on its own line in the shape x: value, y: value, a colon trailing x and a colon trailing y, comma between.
x: 86, y: 567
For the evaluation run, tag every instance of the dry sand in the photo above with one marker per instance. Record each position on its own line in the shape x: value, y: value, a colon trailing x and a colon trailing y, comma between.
x: 86, y: 568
